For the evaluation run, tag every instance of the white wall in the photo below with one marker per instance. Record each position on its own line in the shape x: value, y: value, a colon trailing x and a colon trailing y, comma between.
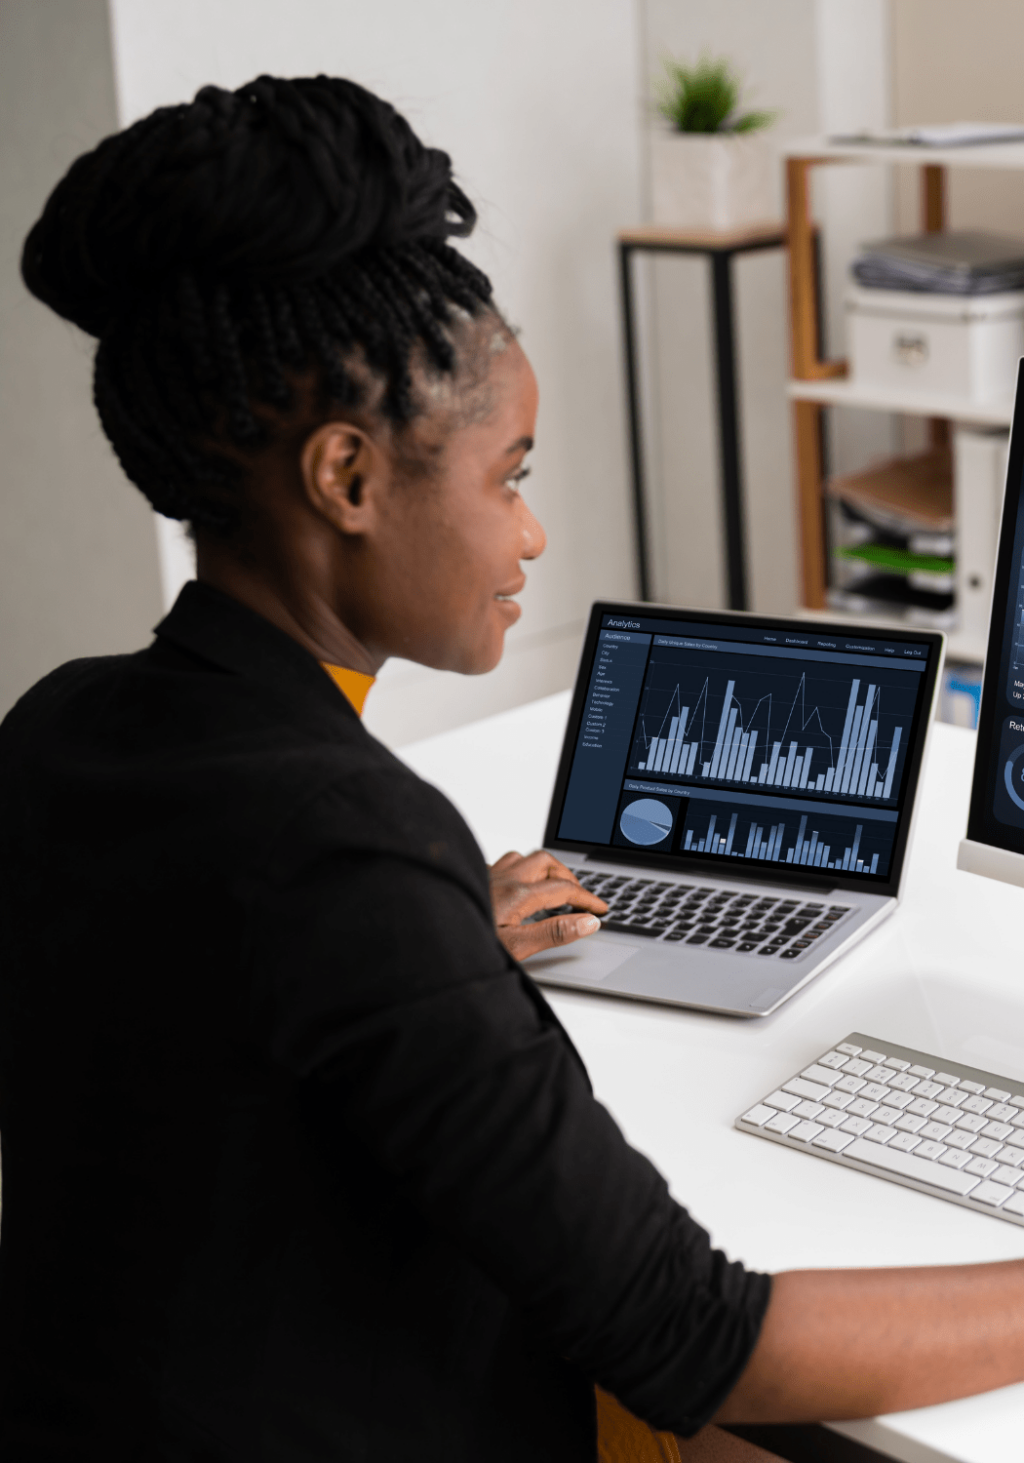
x: 536, y: 102
x: 823, y: 64
x: 78, y: 571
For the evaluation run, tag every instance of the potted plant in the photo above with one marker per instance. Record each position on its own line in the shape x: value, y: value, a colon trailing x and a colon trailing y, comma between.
x: 711, y: 165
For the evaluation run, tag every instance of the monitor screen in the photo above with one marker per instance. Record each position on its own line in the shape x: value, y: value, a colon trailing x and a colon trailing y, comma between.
x: 711, y: 739
x: 997, y: 794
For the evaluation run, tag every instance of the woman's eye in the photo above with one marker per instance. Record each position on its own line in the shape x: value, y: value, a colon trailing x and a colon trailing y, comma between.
x: 516, y: 478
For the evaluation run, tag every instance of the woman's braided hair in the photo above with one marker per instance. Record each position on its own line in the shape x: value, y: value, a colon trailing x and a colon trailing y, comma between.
x: 219, y: 247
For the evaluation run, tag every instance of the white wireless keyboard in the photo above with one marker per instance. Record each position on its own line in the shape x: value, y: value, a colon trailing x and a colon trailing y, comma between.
x: 940, y: 1127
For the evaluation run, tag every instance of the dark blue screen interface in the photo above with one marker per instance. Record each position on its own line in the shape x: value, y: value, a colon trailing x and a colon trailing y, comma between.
x: 744, y: 743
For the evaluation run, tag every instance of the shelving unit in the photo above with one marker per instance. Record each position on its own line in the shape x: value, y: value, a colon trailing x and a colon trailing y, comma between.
x: 818, y: 383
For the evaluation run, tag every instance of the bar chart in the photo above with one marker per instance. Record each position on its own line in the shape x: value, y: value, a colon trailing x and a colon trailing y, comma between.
x: 815, y: 840
x: 850, y: 748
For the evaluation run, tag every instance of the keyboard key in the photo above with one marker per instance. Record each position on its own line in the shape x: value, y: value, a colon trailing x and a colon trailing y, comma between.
x: 878, y: 1133
x: 898, y: 1063
x: 985, y: 1147
x: 904, y: 1082
x: 833, y: 1141
x: 807, y: 1109
x: 759, y: 1115
x: 909, y: 1123
x: 923, y: 1108
x: 861, y: 1108
x: 781, y: 1122
x: 791, y: 954
x: 874, y: 1092
x: 990, y: 1193
x: 856, y: 1126
x: 870, y: 1056
x: 1018, y: 1121
x: 945, y: 1114
x: 696, y: 939
x: 1001, y: 1131
x: 898, y: 1099
x: 831, y: 1117
x: 721, y: 944
x: 783, y: 1101
x: 879, y: 1074
x: 888, y: 1115
x: 927, y: 1089
x: 815, y: 1073
x: 746, y: 947
x: 804, y: 1132
x: 922, y: 1071
x: 996, y: 1093
x: 910, y: 1166
x: 802, y: 1088
x: 981, y: 1166
x: 850, y: 1084
x: 954, y: 1158
x: 976, y: 1104
x: 855, y: 1067
x: 1011, y: 1155
x: 836, y: 1060
x: 971, y: 1122
x: 960, y: 1139
x: 618, y: 927
x: 906, y: 1142
x: 1015, y: 1203
x: 840, y: 1100
x: 975, y: 1087
x: 951, y: 1096
x: 936, y: 1131
x: 851, y: 1051
x: 929, y: 1149
x: 1001, y: 1113
x: 1011, y: 1177
x: 947, y: 1079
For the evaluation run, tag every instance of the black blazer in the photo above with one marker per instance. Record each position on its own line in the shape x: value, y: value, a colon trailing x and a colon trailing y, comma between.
x: 298, y: 1164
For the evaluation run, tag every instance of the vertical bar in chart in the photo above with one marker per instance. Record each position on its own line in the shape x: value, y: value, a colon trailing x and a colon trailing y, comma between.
x: 890, y: 770
x: 727, y: 718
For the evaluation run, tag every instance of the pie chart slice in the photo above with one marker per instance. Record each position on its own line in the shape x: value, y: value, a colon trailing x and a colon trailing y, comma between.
x: 646, y: 821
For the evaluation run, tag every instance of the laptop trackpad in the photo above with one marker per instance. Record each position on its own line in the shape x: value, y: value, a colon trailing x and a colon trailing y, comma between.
x: 587, y: 962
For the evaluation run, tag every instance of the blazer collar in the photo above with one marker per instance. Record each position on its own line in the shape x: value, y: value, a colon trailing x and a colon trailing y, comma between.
x: 211, y: 624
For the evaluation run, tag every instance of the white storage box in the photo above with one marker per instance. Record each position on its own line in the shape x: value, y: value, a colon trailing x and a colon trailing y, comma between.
x: 979, y: 479
x: 952, y: 345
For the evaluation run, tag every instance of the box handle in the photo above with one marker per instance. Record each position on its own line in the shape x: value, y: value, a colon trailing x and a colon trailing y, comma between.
x: 910, y: 350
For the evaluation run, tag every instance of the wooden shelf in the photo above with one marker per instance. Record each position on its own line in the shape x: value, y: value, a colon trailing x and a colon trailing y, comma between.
x: 648, y: 236
x: 1008, y: 155
x: 846, y: 392
x: 958, y: 646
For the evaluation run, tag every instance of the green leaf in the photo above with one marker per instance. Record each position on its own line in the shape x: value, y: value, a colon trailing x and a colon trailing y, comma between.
x: 704, y: 98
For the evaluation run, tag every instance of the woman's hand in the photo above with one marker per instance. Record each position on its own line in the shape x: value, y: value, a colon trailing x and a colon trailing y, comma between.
x: 522, y: 886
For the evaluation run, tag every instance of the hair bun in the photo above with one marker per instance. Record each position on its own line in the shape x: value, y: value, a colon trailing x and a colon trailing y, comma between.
x: 277, y: 181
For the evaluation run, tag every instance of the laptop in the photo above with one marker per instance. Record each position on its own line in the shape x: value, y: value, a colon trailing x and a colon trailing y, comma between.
x: 741, y: 789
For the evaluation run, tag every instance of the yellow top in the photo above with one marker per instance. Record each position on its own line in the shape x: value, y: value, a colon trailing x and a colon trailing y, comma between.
x: 353, y: 684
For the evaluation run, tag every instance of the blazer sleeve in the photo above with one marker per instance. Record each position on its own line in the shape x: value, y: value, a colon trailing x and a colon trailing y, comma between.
x: 388, y: 996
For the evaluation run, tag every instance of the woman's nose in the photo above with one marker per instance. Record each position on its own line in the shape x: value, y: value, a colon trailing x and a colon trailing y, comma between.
x: 534, y: 538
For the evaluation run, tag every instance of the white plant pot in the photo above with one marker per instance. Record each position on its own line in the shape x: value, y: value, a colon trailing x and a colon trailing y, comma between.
x: 713, y: 180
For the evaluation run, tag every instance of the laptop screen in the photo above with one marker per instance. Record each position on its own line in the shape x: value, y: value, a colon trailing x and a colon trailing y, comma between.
x: 745, y: 743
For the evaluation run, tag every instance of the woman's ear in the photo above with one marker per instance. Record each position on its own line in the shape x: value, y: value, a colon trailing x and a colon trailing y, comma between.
x: 341, y: 467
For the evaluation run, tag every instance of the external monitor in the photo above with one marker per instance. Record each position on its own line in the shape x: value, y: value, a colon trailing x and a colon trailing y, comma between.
x: 994, y: 845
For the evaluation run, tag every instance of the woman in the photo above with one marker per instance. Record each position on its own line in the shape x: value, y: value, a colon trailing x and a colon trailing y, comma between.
x: 298, y: 1163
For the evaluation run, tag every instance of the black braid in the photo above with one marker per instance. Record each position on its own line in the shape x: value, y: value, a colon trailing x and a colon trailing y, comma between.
x: 220, y: 248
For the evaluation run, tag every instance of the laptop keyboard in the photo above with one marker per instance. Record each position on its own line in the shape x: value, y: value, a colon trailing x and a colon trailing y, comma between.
x: 950, y: 1130
x: 716, y: 918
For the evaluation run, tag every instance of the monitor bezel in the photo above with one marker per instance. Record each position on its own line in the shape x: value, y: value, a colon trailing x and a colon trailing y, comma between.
x: 982, y: 824
x: 798, y: 876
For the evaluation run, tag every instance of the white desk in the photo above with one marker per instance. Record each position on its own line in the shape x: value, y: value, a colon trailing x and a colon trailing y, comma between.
x: 943, y: 974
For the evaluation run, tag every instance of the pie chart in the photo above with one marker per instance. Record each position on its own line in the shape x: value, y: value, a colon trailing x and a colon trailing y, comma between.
x: 646, y: 822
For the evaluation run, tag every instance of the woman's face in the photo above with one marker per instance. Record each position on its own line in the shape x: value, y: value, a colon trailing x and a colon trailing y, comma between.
x: 445, y: 555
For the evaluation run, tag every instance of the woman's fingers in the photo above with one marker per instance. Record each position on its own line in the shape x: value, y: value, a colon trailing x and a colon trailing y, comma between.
x: 514, y: 901
x: 522, y: 941
x: 531, y: 867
